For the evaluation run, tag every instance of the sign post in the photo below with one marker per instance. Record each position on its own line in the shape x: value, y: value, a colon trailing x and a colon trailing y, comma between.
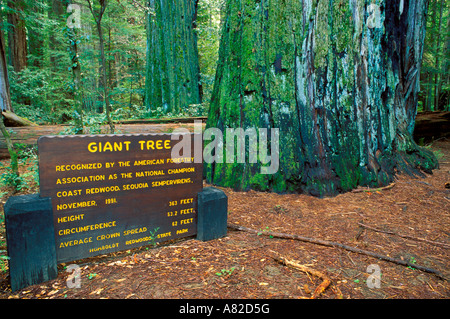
x: 31, y: 240
x: 105, y: 193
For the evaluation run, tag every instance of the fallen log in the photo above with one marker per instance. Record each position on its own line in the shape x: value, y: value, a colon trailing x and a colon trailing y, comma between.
x: 14, y: 120
x: 431, y: 126
x: 28, y: 135
x: 328, y: 243
x: 164, y: 120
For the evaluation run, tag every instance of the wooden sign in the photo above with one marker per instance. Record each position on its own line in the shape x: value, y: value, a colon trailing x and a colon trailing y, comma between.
x: 117, y: 192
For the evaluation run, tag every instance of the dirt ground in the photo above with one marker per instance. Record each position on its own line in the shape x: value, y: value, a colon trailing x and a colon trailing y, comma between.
x: 240, y: 265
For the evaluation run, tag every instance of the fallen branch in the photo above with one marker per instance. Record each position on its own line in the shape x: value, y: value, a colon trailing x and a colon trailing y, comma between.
x: 405, y: 236
x: 371, y: 190
x: 338, y: 245
x: 321, y: 288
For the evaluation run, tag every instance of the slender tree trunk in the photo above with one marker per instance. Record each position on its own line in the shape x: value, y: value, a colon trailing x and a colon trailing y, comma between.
x: 5, y: 95
x: 446, y: 101
x: 57, y: 9
x: 37, y: 36
x: 105, y: 84
x: 98, y: 21
x: 339, y: 79
x: 72, y: 34
x: 173, y: 72
x: 437, y: 63
x: 17, y: 36
x: 430, y: 104
x: 5, y: 105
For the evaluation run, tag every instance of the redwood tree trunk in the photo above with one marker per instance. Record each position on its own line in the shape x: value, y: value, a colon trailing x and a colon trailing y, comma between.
x: 5, y: 95
x: 338, y: 78
x: 17, y: 36
x: 173, y: 72
x: 5, y: 105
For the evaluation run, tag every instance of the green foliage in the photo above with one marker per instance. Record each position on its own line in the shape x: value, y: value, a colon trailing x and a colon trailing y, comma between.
x: 208, y: 32
x: 27, y: 157
x: 3, y: 263
x: 130, y: 112
x: 225, y: 272
x: 412, y: 260
x: 91, y: 276
x: 45, y: 91
x: 40, y: 95
x: 153, y: 236
x: 63, y: 77
x: 92, y: 123
x: 261, y: 231
x: 192, y: 111
x: 11, y: 179
x: 434, y: 94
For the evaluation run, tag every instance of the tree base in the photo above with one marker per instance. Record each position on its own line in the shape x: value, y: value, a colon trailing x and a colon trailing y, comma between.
x: 416, y: 161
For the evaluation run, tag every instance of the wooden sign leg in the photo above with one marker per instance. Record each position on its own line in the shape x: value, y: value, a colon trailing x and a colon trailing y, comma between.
x: 212, y: 214
x: 30, y: 239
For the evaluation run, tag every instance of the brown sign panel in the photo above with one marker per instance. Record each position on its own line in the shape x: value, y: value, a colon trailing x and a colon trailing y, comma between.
x: 117, y: 192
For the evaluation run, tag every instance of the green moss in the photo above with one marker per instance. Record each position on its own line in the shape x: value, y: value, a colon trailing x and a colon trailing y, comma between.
x: 343, y: 27
x: 322, y: 34
x: 345, y: 166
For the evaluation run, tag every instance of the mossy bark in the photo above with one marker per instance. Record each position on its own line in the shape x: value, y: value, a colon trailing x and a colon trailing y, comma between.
x: 339, y: 78
x: 5, y: 105
x: 173, y: 72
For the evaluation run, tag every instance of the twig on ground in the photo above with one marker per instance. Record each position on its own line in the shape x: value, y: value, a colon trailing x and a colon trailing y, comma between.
x: 320, y: 288
x: 404, y: 236
x: 360, y: 190
x: 338, y: 245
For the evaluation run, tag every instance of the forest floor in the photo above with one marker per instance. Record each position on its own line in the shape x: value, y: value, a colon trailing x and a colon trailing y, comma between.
x: 241, y: 265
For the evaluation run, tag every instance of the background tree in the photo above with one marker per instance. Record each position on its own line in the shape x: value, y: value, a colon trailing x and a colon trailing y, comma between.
x: 173, y: 81
x: 435, y: 90
x: 98, y: 21
x: 340, y: 81
x: 17, y: 36
x: 5, y: 105
x: 5, y: 95
x: 209, y: 19
x: 63, y: 80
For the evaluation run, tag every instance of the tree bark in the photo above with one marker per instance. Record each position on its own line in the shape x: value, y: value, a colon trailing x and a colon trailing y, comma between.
x: 173, y: 72
x: 438, y: 73
x: 431, y: 32
x: 446, y: 76
x: 5, y: 95
x: 340, y: 81
x: 17, y: 36
x: 5, y: 105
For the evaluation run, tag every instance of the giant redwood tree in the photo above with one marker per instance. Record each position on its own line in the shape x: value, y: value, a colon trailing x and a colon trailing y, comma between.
x: 173, y: 73
x: 339, y: 78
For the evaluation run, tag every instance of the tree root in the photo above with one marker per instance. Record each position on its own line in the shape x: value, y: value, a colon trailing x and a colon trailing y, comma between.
x: 339, y: 245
